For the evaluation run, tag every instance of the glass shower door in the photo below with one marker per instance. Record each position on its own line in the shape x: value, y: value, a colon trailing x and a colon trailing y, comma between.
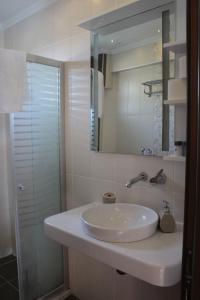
x: 36, y: 152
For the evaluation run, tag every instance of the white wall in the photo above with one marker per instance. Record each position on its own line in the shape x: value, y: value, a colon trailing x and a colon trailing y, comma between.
x: 136, y: 57
x: 54, y: 33
x: 5, y: 222
x: 1, y: 38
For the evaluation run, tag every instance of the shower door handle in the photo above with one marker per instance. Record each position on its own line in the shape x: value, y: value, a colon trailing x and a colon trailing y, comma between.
x: 21, y: 187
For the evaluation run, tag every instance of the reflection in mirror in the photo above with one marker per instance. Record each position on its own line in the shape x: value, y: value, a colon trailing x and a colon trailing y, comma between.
x: 127, y: 86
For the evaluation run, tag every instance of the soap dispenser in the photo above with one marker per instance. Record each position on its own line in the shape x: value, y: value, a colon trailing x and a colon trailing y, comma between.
x: 167, y: 222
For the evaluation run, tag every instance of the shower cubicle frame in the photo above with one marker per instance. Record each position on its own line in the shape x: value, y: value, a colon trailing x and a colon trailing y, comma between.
x: 63, y: 291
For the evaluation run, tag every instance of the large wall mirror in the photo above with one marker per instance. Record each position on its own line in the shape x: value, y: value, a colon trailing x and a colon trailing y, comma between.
x: 130, y: 70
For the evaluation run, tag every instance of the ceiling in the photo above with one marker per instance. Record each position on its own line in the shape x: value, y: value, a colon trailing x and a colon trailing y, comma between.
x: 145, y: 33
x: 13, y: 11
x: 115, y: 42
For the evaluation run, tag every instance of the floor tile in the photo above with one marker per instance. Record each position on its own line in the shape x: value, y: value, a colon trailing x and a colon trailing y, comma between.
x: 15, y: 282
x: 7, y: 292
x: 7, y: 259
x: 9, y: 270
x: 72, y: 298
x: 2, y: 281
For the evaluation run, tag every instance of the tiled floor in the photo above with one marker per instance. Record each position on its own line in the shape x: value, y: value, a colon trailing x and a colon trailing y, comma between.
x: 8, y: 278
x: 9, y: 281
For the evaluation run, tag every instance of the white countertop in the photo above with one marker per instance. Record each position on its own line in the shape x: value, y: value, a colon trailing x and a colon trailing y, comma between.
x: 156, y: 260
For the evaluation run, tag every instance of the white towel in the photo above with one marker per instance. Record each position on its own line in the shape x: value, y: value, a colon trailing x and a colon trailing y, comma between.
x: 13, y: 80
x: 100, y: 92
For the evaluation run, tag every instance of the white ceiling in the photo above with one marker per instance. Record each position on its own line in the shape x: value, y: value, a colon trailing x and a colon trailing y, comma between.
x: 13, y: 11
x: 134, y: 35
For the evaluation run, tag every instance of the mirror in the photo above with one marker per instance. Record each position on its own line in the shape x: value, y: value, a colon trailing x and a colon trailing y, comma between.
x: 129, y: 69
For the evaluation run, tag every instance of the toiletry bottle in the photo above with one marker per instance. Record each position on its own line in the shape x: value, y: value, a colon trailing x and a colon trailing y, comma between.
x: 178, y: 148
x: 167, y: 222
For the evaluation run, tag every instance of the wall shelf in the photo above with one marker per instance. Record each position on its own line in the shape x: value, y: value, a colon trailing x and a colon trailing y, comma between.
x: 175, y: 102
x: 174, y: 158
x: 176, y: 47
x: 148, y: 87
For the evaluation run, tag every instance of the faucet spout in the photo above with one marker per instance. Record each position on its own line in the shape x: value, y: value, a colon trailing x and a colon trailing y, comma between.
x: 141, y: 177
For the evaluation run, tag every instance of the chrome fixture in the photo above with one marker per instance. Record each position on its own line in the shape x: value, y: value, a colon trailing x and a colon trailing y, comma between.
x: 160, y: 178
x: 141, y: 177
x: 21, y: 188
x: 152, y: 87
x: 146, y: 151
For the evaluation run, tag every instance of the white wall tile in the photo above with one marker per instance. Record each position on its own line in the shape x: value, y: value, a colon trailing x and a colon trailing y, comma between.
x: 179, y: 177
x: 1, y: 38
x: 120, y: 3
x: 80, y: 190
x: 102, y: 166
x: 5, y: 217
x: 81, y: 47
x: 99, y: 7
x: 62, y: 50
x: 62, y: 19
x: 125, y: 195
x: 99, y: 187
x: 126, y: 167
x: 178, y: 208
x: 154, y: 196
x: 69, y: 185
x: 78, y: 12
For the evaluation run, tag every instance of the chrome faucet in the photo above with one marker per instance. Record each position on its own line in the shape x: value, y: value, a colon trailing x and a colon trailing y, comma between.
x: 141, y: 177
x: 160, y: 178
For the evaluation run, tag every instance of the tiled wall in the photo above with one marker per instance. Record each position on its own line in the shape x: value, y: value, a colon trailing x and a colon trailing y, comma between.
x: 126, y: 108
x: 91, y: 174
x: 1, y: 38
x: 53, y: 32
x: 5, y: 222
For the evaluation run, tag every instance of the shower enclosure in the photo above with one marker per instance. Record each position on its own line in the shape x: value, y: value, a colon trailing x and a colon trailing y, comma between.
x: 38, y: 166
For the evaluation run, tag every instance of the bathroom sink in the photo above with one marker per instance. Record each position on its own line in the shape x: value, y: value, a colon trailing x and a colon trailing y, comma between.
x: 119, y: 222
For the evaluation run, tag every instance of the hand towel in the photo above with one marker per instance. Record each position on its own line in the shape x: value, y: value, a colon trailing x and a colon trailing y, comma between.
x: 13, y: 80
x: 100, y: 92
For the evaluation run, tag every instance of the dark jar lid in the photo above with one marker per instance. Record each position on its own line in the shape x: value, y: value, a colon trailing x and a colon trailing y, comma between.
x: 179, y: 143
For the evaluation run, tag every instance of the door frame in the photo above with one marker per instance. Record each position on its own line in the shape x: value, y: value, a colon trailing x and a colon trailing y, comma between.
x: 191, y: 243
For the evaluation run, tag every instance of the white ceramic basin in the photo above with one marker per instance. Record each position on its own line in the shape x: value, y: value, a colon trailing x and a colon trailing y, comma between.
x: 119, y: 222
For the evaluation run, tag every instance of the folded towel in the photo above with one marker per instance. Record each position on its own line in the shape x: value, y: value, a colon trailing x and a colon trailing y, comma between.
x: 13, y: 80
x: 100, y: 92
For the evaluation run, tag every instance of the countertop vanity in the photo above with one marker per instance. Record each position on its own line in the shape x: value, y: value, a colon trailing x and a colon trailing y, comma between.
x: 156, y: 260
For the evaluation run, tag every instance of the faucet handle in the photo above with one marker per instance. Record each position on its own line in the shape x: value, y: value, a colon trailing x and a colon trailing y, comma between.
x: 159, y: 173
x: 144, y: 176
x: 160, y: 178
